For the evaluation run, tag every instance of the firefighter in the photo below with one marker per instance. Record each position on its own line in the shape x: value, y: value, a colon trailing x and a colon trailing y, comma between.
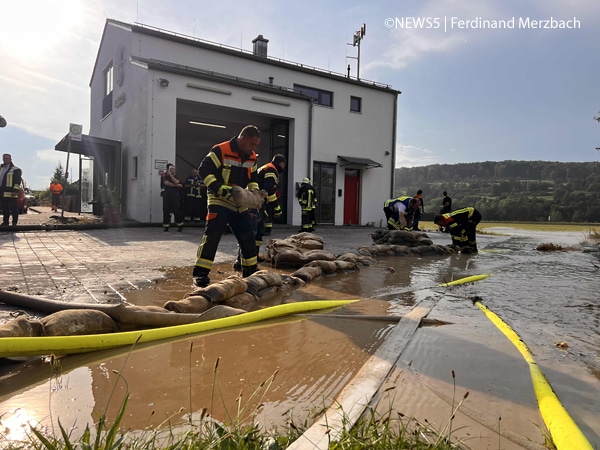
x: 230, y: 163
x: 461, y: 224
x: 10, y: 180
x: 193, y: 197
x: 308, y: 202
x: 268, y: 179
x: 400, y: 211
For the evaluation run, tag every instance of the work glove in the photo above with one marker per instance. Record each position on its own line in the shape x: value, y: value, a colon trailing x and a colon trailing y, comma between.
x: 277, y: 212
x: 225, y: 192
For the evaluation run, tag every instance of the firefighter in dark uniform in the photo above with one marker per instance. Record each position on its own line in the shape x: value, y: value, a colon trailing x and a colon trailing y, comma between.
x: 172, y: 199
x: 308, y: 202
x: 399, y: 212
x: 461, y: 224
x: 228, y: 164
x: 193, y: 197
x: 268, y: 179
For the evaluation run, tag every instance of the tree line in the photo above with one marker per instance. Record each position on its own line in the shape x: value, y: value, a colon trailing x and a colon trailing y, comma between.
x: 532, y: 191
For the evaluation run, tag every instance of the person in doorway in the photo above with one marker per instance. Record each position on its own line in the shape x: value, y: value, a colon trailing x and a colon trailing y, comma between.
x: 308, y: 202
x: 172, y: 199
x: 10, y: 181
x: 55, y: 190
x: 193, y: 197
x: 399, y: 212
x: 461, y: 224
x: 419, y: 211
x: 230, y: 163
x: 445, y: 208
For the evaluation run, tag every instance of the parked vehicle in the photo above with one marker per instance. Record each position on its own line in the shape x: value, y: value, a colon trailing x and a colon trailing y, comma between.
x: 31, y: 199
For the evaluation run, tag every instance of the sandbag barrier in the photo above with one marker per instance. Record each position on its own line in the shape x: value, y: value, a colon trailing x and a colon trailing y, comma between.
x: 231, y: 296
x: 403, y: 243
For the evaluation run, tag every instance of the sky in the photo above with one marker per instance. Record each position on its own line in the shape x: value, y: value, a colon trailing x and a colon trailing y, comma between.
x: 470, y: 91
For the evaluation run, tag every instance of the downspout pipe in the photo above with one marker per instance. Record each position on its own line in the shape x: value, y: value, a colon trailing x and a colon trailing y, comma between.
x: 393, y: 149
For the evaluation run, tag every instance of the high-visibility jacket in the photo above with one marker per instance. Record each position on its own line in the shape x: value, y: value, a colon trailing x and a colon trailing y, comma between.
x: 10, y: 182
x: 405, y: 199
x: 268, y: 179
x: 307, y: 197
x: 225, y: 166
x: 56, y: 188
x: 456, y: 218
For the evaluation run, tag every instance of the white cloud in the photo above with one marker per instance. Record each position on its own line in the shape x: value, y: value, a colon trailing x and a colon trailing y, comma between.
x: 411, y: 156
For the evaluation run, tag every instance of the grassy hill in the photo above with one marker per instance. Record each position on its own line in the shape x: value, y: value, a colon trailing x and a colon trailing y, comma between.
x: 535, y: 191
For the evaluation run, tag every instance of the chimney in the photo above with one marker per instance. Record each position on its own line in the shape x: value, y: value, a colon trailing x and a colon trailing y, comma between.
x: 260, y: 46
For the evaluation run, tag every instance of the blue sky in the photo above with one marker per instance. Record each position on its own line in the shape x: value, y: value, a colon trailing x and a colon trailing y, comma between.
x: 468, y: 95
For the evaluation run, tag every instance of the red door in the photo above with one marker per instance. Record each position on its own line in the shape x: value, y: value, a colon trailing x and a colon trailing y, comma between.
x: 351, y: 196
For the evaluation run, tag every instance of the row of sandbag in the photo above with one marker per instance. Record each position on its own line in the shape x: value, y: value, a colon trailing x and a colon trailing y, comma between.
x: 402, y: 243
x: 308, y: 249
x: 264, y: 285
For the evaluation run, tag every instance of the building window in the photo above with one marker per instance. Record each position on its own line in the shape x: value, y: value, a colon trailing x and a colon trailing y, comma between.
x: 134, y: 167
x: 108, y: 90
x: 319, y: 96
x: 355, y: 104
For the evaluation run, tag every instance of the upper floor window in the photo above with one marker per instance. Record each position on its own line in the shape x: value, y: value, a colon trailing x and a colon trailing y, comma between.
x: 108, y: 90
x: 108, y: 79
x: 355, y: 104
x: 319, y: 96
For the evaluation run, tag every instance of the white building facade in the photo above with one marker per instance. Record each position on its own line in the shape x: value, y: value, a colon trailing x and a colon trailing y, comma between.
x: 170, y: 98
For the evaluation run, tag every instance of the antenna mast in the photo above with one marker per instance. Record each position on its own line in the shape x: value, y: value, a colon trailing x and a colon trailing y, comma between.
x: 358, y: 36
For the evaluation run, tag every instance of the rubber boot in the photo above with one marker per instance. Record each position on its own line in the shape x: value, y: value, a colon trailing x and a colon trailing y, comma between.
x: 200, y: 276
x: 248, y: 270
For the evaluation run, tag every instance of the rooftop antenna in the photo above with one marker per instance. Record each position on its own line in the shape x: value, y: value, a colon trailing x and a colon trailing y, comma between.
x: 358, y: 36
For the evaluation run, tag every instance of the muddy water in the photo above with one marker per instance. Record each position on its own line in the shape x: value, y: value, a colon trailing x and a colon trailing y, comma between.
x: 297, y: 365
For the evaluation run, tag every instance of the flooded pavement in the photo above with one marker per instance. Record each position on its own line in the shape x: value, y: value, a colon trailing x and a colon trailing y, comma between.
x: 297, y: 365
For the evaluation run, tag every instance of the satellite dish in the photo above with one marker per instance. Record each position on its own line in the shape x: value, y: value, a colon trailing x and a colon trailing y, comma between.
x: 2, y: 122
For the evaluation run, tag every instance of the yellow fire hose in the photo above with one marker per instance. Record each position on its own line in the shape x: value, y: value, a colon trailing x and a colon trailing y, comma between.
x: 565, y: 433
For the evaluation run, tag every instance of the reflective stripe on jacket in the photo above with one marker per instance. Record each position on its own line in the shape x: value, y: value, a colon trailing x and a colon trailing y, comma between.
x: 10, y: 182
x: 224, y: 166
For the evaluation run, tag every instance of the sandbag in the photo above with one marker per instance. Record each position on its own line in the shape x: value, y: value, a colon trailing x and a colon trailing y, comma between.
x: 400, y: 249
x: 307, y: 273
x: 255, y: 284
x: 190, y: 304
x: 306, y: 235
x: 272, y: 278
x: 289, y: 258
x: 310, y: 244
x: 220, y: 312
x: 78, y: 322
x: 222, y: 290
x: 314, y: 255
x: 345, y: 266
x: 22, y: 327
x: 269, y: 293
x: 241, y: 301
x: 326, y: 266
x: 251, y: 199
x: 401, y: 234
